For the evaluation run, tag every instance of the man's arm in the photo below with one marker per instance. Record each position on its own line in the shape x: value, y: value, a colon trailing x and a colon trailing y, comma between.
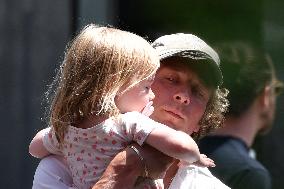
x: 52, y: 172
x: 122, y: 172
x: 126, y: 167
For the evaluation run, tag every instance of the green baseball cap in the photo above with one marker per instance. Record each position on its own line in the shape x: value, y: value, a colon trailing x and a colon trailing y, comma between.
x: 189, y: 46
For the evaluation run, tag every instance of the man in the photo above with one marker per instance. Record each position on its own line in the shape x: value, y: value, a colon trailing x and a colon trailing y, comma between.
x: 187, y: 99
x: 250, y: 77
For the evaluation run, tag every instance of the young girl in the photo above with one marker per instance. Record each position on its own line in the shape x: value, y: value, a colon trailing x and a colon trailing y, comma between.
x: 103, y: 85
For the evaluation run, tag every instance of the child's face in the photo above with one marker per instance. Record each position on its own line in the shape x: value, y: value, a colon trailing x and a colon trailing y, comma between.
x: 135, y: 98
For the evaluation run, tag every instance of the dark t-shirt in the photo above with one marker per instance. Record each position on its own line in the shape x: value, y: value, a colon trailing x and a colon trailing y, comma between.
x: 234, y: 166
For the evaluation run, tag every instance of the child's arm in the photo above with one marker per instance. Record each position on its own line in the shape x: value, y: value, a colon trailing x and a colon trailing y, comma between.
x: 174, y: 143
x: 36, y: 147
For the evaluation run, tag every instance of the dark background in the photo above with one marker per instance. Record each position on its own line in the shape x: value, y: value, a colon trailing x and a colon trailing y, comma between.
x: 33, y: 35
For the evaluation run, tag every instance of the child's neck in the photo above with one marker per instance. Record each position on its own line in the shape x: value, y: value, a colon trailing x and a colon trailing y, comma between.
x: 91, y: 121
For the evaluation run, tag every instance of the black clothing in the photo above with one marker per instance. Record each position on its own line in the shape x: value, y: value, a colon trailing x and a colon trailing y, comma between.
x: 234, y: 166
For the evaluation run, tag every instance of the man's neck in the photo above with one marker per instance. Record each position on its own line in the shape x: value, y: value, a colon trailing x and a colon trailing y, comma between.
x: 170, y: 173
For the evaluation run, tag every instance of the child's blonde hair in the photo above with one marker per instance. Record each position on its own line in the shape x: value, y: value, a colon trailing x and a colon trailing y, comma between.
x: 99, y: 62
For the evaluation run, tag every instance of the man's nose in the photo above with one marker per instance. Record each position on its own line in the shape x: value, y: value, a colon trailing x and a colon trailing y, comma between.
x: 182, y: 98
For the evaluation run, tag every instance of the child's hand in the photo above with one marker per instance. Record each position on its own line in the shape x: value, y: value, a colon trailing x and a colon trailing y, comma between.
x: 148, y: 109
x: 204, y: 161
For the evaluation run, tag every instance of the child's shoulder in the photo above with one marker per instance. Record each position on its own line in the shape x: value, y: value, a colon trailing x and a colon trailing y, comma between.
x: 133, y: 115
x: 93, y: 126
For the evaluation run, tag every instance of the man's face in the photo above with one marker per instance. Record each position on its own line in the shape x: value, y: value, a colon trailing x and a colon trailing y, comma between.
x: 269, y: 112
x: 180, y: 96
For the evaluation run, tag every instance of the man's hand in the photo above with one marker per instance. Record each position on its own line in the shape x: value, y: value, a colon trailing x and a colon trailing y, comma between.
x: 126, y: 167
x: 156, y: 162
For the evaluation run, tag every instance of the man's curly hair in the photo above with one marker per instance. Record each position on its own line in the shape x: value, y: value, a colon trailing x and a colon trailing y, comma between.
x: 213, y: 117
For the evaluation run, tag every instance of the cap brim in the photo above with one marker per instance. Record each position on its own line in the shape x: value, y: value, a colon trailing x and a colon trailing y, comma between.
x: 189, y: 46
x: 197, y: 55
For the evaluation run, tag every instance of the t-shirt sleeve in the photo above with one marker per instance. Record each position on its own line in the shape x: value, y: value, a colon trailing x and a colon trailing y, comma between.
x: 50, y: 142
x: 137, y: 126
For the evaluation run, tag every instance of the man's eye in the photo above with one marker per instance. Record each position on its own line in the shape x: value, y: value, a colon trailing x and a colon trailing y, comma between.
x: 171, y: 79
x: 198, y: 92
